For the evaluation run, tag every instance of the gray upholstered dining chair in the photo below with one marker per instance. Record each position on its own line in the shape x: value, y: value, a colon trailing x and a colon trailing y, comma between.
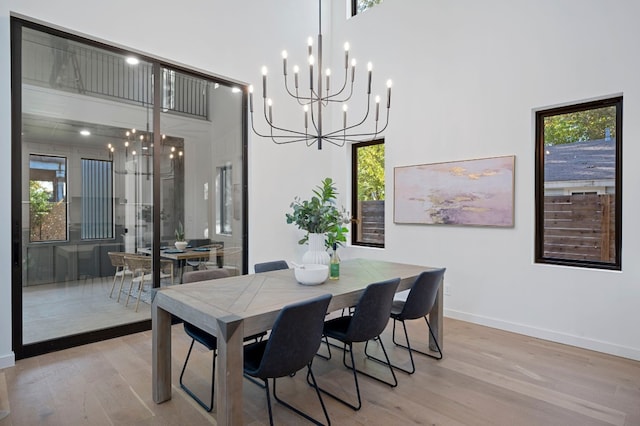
x: 201, y: 336
x: 369, y: 319
x: 198, y: 335
x: 294, y: 340
x: 419, y: 302
x: 274, y: 265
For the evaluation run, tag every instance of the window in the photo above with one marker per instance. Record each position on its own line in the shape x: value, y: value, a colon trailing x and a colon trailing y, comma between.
x: 223, y: 189
x: 97, y: 199
x: 359, y: 6
x: 368, y: 193
x: 47, y: 198
x: 579, y: 184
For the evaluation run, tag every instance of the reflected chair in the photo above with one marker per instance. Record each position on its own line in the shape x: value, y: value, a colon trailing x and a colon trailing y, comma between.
x: 142, y: 272
x: 274, y: 265
x: 117, y: 261
x: 207, y: 340
x: 369, y: 319
x: 419, y: 302
x: 198, y: 243
x: 292, y: 345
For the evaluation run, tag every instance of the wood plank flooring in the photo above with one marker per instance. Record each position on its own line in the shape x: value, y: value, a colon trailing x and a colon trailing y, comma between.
x: 487, y: 377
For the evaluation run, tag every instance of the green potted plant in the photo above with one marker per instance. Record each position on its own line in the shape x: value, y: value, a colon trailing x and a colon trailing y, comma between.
x: 181, y: 244
x: 322, y: 220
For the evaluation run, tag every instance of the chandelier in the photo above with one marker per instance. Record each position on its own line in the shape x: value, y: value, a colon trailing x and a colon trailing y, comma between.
x: 319, y: 98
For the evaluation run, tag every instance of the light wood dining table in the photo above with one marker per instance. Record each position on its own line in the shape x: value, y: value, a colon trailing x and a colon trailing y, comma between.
x: 239, y: 306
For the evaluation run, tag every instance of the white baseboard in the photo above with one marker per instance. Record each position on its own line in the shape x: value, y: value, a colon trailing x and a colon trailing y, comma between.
x: 553, y: 336
x: 8, y: 360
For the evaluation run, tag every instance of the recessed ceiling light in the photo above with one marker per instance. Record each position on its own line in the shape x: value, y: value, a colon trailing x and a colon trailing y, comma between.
x: 85, y: 132
x: 133, y: 61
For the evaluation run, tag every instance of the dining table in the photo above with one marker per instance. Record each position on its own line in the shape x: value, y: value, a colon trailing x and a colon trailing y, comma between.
x: 235, y: 307
x: 181, y: 257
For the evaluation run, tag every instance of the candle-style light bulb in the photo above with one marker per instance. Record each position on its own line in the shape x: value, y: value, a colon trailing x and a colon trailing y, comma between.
x: 328, y: 74
x: 109, y: 146
x: 296, y: 70
x: 353, y: 70
x: 346, y: 55
x: 389, y: 83
x: 284, y: 61
x: 310, y: 45
x: 370, y: 68
x: 311, y: 62
x: 126, y: 143
x: 264, y: 82
x: 344, y: 115
x: 377, y: 107
x: 306, y: 116
x: 270, y: 103
x: 133, y: 131
x: 173, y: 149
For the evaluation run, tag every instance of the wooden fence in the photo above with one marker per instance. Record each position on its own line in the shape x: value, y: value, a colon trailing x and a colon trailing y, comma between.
x: 580, y: 227
x: 371, y: 223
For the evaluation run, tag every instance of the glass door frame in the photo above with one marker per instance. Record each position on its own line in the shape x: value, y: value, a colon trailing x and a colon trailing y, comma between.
x: 20, y: 349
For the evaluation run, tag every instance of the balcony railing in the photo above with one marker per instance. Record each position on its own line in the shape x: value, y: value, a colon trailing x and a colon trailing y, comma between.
x: 64, y: 65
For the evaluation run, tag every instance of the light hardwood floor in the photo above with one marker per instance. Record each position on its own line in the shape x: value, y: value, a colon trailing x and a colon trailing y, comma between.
x: 488, y: 377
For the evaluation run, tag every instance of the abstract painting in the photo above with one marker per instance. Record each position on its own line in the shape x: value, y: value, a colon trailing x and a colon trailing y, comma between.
x: 470, y: 192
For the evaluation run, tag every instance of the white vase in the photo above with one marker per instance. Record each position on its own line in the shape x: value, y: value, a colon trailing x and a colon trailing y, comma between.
x: 317, y: 252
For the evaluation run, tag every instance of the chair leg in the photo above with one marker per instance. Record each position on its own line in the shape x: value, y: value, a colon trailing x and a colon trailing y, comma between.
x: 306, y: 416
x: 439, y: 356
x: 337, y: 398
x: 213, y: 375
x: 113, y: 286
x: 121, y: 285
x: 129, y: 293
x: 140, y: 292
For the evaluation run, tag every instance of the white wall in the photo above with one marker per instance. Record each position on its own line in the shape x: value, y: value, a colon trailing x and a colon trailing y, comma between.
x: 467, y: 77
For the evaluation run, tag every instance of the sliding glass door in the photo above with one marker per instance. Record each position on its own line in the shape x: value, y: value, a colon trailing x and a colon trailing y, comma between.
x: 104, y: 134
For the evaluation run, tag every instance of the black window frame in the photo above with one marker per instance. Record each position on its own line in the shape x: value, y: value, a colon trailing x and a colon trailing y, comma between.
x: 354, y: 193
x: 540, y: 180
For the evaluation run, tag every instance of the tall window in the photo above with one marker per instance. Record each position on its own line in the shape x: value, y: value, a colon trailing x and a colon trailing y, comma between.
x: 368, y: 193
x: 97, y: 199
x: 47, y: 198
x: 579, y: 184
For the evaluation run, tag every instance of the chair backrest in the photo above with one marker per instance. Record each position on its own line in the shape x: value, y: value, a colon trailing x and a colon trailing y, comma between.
x: 199, y: 242
x: 295, y: 338
x: 117, y: 258
x: 138, y: 264
x: 270, y: 266
x: 422, y: 295
x: 372, y: 311
x: 203, y: 275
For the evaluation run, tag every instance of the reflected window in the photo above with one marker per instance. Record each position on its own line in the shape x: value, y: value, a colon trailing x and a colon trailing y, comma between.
x: 97, y: 199
x: 47, y: 196
x: 224, y: 211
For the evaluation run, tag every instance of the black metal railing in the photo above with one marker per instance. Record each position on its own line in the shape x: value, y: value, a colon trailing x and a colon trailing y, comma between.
x: 65, y: 65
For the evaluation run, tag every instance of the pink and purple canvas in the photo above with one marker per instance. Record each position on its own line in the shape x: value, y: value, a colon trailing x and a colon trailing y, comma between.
x: 471, y: 192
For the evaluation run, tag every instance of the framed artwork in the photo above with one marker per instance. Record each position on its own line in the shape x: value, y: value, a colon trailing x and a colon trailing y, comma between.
x: 470, y: 192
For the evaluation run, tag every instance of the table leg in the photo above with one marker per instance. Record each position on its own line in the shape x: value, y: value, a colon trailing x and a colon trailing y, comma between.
x: 160, y: 353
x: 436, y: 321
x: 229, y: 403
